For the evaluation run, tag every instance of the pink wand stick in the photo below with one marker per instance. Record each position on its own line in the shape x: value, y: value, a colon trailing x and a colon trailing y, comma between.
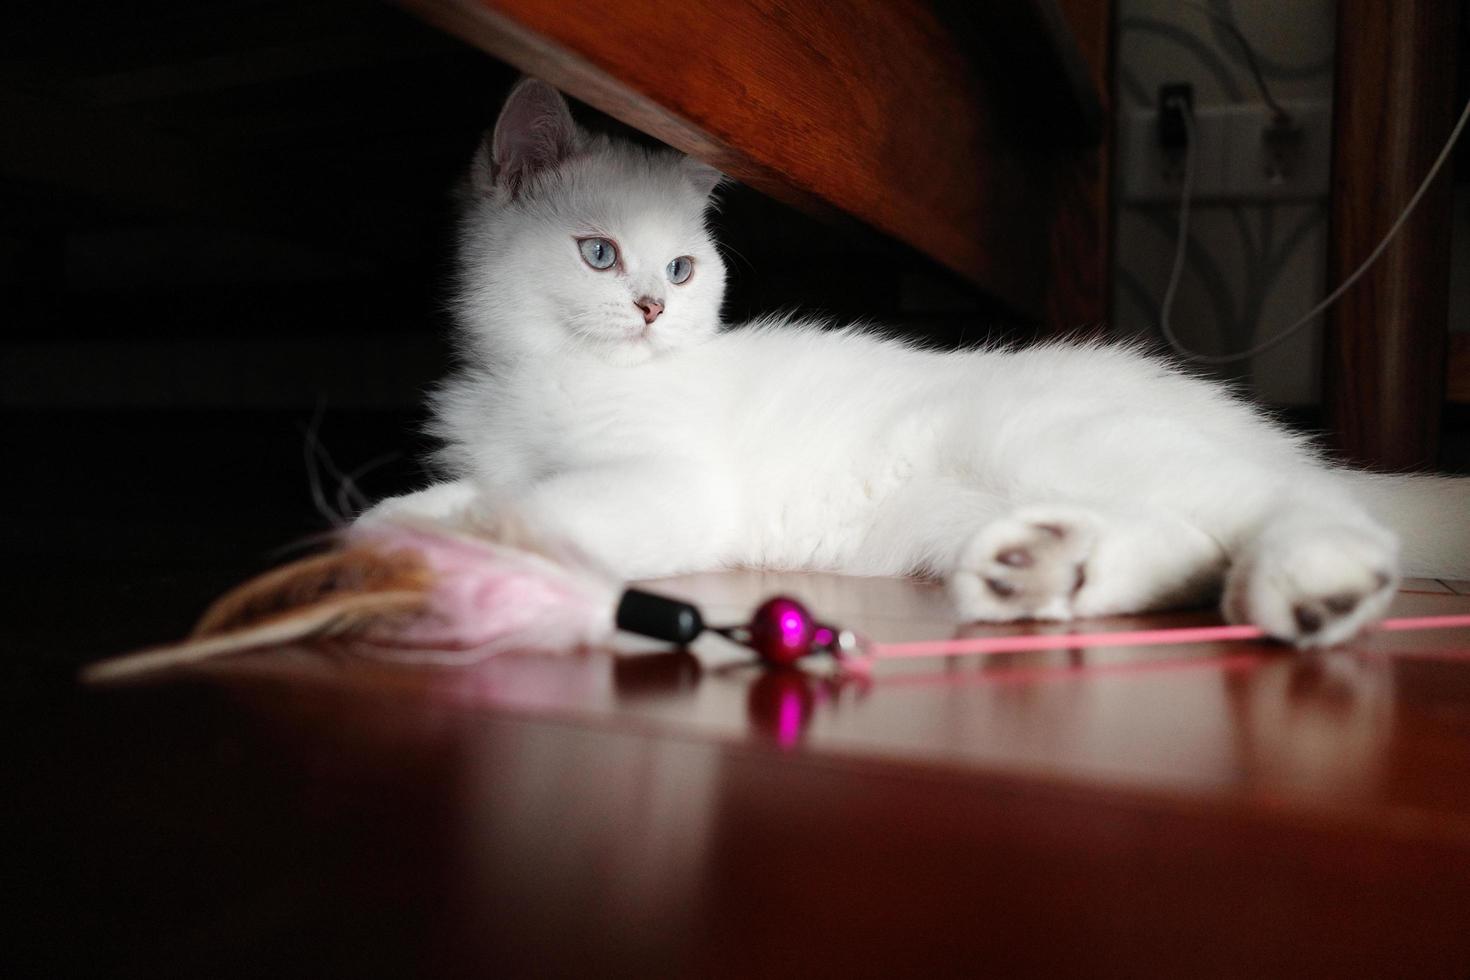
x: 1133, y: 638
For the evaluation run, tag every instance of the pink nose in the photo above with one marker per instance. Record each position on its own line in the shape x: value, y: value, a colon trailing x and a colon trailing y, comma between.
x: 651, y: 308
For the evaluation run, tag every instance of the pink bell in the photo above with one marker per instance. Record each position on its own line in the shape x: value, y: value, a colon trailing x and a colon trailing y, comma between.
x: 782, y: 632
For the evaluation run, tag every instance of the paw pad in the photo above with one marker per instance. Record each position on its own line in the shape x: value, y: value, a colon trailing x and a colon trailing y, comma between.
x: 1308, y: 620
x: 1016, y: 558
x: 1315, y: 587
x: 1003, y: 589
x: 1018, y: 568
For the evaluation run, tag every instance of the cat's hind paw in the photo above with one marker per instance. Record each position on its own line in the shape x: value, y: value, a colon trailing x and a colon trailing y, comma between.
x: 1029, y: 565
x: 1314, y: 587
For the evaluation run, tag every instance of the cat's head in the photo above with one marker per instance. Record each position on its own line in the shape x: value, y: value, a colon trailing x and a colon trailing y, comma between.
x: 573, y: 241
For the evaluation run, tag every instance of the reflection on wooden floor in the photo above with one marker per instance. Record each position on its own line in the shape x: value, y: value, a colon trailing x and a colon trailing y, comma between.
x: 1225, y: 809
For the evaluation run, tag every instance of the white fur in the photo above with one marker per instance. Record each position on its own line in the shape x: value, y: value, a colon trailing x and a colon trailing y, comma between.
x: 1051, y: 482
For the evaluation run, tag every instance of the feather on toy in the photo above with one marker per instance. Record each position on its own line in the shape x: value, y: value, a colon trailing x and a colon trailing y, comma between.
x: 415, y: 592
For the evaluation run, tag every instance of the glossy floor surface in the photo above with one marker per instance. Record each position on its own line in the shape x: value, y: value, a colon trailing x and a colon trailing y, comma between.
x: 1215, y: 810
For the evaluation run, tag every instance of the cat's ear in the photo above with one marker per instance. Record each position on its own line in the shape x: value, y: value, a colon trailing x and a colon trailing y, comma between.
x: 535, y: 132
x: 704, y: 177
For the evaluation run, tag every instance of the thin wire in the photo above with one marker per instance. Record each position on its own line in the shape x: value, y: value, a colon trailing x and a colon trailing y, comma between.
x: 1250, y: 54
x: 1166, y: 308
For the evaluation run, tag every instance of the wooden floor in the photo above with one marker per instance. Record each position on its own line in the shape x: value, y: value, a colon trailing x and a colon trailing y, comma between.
x: 1227, y: 810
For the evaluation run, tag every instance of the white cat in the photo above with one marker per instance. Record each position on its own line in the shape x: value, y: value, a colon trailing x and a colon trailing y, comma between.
x: 603, y: 401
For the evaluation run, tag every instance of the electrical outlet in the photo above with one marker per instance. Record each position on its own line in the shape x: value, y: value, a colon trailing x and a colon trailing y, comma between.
x: 1240, y: 155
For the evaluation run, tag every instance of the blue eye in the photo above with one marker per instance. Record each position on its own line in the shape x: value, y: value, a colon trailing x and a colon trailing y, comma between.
x: 598, y: 252
x: 680, y: 270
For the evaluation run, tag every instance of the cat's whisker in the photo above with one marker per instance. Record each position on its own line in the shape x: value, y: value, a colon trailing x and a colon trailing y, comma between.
x: 727, y: 249
x: 350, y: 499
x: 377, y: 462
x: 314, y: 457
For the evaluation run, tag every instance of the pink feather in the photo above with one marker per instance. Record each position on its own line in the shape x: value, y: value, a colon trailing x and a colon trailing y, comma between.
x: 405, y: 591
x: 487, y: 598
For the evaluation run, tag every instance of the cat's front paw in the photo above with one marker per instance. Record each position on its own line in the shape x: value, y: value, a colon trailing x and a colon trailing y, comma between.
x: 1030, y: 565
x: 1313, y: 586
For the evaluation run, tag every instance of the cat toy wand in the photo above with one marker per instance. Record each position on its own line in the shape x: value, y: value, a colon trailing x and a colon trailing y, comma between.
x: 418, y: 593
x: 415, y: 592
x: 781, y: 631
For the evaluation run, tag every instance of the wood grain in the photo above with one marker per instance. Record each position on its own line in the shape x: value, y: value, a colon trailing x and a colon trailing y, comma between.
x: 876, y: 111
x: 1385, y: 350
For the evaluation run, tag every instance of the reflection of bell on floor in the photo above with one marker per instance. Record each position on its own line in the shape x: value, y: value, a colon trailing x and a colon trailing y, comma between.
x: 781, y: 703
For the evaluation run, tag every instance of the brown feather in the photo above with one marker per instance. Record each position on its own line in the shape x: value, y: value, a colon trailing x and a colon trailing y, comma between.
x: 325, y: 595
x: 322, y: 578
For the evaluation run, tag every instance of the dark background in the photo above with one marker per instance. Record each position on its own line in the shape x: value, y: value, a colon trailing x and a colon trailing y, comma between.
x: 225, y: 230
x: 225, y: 226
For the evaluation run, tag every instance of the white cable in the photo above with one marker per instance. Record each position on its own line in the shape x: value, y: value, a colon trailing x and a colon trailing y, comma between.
x: 1187, y: 190
x: 1227, y: 24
